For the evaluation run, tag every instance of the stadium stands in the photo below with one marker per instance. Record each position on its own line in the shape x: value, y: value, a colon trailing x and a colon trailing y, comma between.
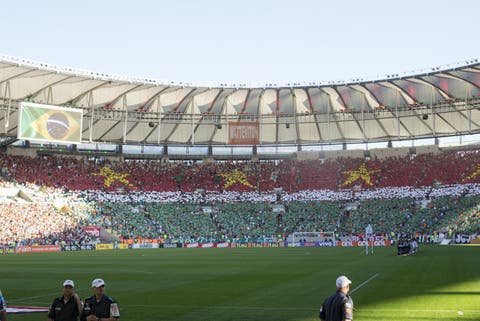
x: 257, y: 221
x: 42, y: 216
x: 426, y: 194
x: 291, y: 175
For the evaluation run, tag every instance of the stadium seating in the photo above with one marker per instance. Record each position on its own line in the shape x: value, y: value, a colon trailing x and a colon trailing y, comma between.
x: 187, y: 222
x: 291, y: 175
x: 257, y: 221
x: 237, y: 206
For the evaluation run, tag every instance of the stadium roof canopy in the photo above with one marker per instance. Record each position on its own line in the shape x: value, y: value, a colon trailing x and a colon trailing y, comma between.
x: 442, y: 101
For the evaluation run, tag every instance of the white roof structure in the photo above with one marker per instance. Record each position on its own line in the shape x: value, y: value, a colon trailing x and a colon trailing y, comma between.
x: 438, y: 102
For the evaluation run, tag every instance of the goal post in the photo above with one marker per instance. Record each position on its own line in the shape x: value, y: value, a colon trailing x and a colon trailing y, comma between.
x: 369, y: 238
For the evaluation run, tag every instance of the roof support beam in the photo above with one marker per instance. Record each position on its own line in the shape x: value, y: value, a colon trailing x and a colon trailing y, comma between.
x: 17, y: 75
x: 310, y: 104
x: 329, y: 111
x: 202, y: 117
x: 109, y: 130
x: 277, y: 114
x: 49, y: 86
x: 74, y: 100
x: 360, y: 126
x: 180, y: 116
x: 295, y: 120
x: 469, y: 118
x: 92, y: 114
x: 125, y: 109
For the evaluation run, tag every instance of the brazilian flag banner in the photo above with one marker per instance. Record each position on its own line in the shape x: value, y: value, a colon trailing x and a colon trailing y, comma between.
x: 50, y: 123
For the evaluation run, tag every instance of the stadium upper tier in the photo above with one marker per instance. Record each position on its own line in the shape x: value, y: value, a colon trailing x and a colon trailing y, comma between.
x: 440, y: 102
x: 426, y: 170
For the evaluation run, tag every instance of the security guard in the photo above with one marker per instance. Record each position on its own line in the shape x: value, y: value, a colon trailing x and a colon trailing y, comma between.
x: 68, y: 306
x: 99, y: 307
x: 338, y: 306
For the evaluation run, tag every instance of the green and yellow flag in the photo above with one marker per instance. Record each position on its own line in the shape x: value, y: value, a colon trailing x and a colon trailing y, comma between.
x: 50, y: 123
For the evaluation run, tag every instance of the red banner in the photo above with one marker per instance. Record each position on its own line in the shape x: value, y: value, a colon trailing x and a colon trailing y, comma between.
x: 95, y: 231
x: 46, y: 248
x: 222, y: 245
x: 23, y: 249
x: 363, y: 243
x: 207, y: 245
x: 37, y: 249
x: 191, y: 245
x: 243, y: 133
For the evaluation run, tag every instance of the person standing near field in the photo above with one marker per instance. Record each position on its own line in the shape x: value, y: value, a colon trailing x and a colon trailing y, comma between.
x: 338, y: 306
x: 3, y: 308
x: 99, y: 307
x: 66, y: 307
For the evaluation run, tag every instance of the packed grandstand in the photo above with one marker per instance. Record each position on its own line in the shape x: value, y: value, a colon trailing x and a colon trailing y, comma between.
x: 54, y: 194
x: 145, y: 201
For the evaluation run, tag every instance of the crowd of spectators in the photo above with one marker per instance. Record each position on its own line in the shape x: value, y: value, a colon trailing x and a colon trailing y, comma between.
x: 75, y: 174
x: 427, y: 194
x: 33, y: 215
x: 270, y: 197
x: 234, y: 221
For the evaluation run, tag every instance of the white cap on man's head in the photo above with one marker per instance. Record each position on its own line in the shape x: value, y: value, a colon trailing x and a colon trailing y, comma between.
x: 69, y: 282
x: 342, y: 281
x: 97, y: 283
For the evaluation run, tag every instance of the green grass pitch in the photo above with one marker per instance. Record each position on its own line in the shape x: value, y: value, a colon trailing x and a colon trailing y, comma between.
x: 439, y: 283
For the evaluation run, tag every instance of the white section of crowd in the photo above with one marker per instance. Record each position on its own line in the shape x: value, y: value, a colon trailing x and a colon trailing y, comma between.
x: 419, y: 193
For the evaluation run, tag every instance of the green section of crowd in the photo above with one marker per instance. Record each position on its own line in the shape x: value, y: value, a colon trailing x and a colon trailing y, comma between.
x: 225, y: 221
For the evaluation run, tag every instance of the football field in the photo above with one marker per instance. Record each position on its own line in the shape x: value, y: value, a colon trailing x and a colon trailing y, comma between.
x: 438, y: 283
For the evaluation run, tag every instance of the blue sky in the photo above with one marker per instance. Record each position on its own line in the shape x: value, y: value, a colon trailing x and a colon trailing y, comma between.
x: 243, y: 41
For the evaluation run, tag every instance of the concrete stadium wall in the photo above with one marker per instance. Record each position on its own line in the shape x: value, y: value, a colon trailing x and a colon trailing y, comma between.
x: 19, y: 151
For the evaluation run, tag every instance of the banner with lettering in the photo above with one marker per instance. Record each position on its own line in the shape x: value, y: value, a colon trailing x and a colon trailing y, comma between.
x: 243, y: 133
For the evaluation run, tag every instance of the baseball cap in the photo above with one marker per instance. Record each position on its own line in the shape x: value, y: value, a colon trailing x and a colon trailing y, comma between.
x: 97, y: 283
x: 342, y: 281
x: 69, y: 282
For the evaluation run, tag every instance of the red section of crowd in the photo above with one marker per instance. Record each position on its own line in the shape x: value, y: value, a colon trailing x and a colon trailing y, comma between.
x: 424, y: 170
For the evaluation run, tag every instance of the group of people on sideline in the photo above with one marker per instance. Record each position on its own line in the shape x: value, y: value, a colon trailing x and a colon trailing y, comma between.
x: 69, y: 307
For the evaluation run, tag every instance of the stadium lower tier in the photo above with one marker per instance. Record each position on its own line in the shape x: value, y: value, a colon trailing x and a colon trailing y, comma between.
x: 250, y: 221
x: 43, y: 215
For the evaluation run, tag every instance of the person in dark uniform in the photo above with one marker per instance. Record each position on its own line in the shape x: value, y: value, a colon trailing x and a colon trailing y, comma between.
x: 3, y: 308
x: 338, y: 306
x: 66, y: 307
x: 99, y: 307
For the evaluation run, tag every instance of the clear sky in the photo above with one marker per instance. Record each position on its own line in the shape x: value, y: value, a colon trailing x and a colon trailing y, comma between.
x: 243, y: 41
